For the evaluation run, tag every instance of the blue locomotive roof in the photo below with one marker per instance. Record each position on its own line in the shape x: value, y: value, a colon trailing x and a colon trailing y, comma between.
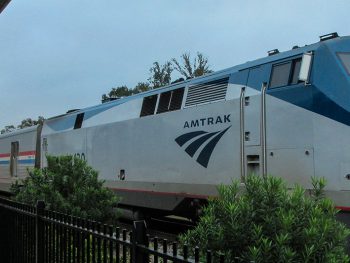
x: 214, y: 75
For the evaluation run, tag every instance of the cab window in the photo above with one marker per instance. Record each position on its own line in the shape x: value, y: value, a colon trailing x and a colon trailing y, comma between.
x: 345, y: 60
x: 285, y: 74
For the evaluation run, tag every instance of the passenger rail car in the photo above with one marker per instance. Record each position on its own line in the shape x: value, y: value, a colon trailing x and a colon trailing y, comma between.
x: 166, y: 150
x: 18, y: 152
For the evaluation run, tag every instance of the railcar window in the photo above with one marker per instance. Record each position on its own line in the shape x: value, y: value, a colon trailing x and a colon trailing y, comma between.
x: 280, y: 75
x: 148, y: 105
x: 79, y: 121
x: 170, y: 100
x: 345, y: 59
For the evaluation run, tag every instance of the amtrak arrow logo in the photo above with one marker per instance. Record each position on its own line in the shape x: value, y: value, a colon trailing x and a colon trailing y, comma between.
x: 200, y: 138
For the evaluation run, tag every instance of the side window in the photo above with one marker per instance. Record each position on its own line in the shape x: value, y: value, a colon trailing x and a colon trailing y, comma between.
x: 345, y: 59
x: 285, y: 74
x: 170, y: 100
x: 280, y: 75
x: 148, y: 105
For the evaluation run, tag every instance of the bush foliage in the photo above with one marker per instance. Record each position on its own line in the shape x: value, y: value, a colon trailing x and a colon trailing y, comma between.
x: 68, y: 185
x: 267, y: 222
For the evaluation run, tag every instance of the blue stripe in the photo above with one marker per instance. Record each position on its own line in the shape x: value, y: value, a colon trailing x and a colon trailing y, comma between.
x: 29, y: 161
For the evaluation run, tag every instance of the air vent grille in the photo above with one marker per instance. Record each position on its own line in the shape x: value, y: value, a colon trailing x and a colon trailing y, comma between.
x: 207, y: 92
x: 148, y: 105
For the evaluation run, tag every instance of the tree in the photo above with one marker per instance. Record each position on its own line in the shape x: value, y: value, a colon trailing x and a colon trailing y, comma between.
x: 70, y: 186
x: 29, y: 122
x: 160, y: 74
x: 124, y: 91
x: 267, y: 222
x: 141, y: 87
x: 116, y: 93
x: 190, y: 69
x: 7, y: 129
x: 24, y: 124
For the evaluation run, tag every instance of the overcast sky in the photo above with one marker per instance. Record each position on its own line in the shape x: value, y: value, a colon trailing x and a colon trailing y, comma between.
x: 58, y: 55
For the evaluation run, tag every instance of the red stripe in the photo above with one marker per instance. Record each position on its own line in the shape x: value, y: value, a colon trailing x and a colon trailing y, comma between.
x: 27, y: 153
x: 161, y: 193
x: 343, y: 208
x: 20, y: 154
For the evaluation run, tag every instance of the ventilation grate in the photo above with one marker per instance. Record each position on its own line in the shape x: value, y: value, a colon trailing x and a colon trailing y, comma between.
x: 164, y: 101
x: 170, y: 100
x: 207, y: 92
x: 148, y: 105
x: 176, y: 99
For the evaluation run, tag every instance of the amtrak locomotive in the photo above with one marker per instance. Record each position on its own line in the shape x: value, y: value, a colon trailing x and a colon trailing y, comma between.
x: 166, y: 150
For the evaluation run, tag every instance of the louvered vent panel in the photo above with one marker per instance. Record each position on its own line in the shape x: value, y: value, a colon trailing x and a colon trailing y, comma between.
x: 207, y: 92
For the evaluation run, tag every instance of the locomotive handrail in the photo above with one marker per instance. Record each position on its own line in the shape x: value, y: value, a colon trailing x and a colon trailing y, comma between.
x: 241, y: 120
x: 263, y: 128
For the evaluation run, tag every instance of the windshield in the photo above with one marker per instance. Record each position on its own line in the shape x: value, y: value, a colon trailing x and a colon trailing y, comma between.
x: 345, y: 59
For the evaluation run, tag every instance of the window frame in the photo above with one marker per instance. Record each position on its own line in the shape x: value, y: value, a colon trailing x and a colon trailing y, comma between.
x: 292, y: 62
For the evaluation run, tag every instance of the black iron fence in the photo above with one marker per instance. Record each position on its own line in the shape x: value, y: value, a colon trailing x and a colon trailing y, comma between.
x: 34, y: 234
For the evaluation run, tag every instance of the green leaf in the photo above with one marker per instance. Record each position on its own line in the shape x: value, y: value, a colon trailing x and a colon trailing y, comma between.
x: 68, y: 185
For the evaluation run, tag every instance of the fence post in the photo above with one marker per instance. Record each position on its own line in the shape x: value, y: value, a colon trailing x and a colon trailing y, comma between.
x: 5, y: 235
x: 139, y: 238
x: 39, y: 232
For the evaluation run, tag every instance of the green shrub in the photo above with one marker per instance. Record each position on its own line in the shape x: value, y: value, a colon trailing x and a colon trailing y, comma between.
x: 267, y: 222
x: 68, y: 185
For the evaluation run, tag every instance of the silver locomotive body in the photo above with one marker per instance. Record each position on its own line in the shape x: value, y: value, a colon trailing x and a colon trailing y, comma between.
x: 166, y: 150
